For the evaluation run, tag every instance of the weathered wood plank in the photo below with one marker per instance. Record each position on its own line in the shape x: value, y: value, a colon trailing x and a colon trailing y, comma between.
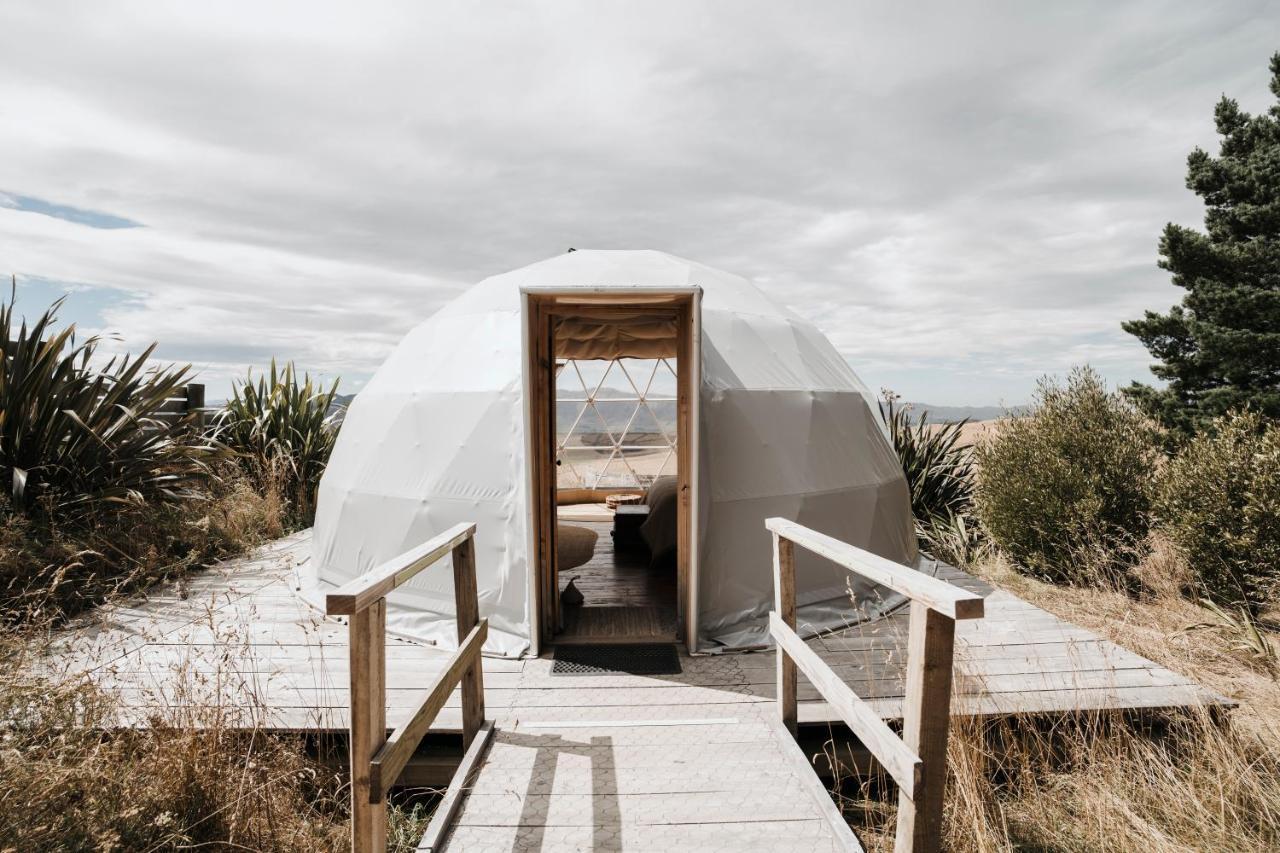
x: 442, y: 819
x: 926, y: 720
x: 468, y: 619
x: 784, y: 597
x: 840, y: 831
x: 368, y: 727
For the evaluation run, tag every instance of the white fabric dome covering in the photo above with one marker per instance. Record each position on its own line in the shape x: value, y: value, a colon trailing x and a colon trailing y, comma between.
x: 437, y: 437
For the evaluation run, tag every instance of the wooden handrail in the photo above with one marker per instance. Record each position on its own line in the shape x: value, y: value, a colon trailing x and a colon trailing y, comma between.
x: 917, y: 762
x: 358, y: 593
x: 376, y: 758
x: 938, y: 595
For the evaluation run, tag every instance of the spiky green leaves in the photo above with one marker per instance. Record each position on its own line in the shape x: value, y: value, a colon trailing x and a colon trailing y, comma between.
x: 79, y: 434
x: 283, y: 427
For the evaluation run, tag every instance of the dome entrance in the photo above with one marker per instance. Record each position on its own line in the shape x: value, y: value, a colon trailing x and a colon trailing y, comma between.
x: 611, y: 412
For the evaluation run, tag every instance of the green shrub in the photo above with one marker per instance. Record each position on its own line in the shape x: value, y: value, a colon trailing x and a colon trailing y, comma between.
x: 283, y: 429
x: 1219, y: 503
x: 1066, y: 490
x: 80, y: 437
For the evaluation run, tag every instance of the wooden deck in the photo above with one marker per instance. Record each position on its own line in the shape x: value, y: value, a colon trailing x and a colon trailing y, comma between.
x: 586, y: 760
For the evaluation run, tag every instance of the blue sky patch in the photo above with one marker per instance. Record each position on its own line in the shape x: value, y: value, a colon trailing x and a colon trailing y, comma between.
x: 85, y: 305
x: 92, y: 218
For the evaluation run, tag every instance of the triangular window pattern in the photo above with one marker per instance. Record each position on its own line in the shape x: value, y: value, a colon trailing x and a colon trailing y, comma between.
x: 615, y: 422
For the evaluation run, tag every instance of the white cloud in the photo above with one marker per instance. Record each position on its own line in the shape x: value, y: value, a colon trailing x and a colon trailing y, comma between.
x: 953, y: 191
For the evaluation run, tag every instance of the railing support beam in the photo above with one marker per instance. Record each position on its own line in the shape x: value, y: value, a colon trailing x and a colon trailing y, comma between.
x: 917, y: 761
x: 368, y: 724
x: 784, y: 596
x: 376, y: 759
x: 467, y: 607
x: 925, y: 719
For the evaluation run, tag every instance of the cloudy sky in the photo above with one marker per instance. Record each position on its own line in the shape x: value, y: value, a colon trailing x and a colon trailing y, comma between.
x: 964, y: 197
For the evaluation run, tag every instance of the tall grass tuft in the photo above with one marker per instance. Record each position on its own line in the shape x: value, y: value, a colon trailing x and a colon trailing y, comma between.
x: 1191, y: 780
x: 78, y: 436
x: 101, y: 490
x: 283, y: 427
x: 938, y: 468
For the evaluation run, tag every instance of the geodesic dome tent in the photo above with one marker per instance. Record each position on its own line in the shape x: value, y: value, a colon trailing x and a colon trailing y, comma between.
x: 784, y: 427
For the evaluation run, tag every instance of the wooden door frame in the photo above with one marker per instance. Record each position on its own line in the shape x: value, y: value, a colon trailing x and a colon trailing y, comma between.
x: 540, y: 305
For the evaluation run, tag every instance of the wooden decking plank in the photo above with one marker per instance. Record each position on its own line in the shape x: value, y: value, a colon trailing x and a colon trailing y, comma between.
x: 665, y: 782
x: 740, y: 837
x: 519, y: 808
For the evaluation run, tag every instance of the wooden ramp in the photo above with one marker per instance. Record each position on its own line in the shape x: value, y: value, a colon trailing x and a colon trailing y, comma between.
x: 736, y: 781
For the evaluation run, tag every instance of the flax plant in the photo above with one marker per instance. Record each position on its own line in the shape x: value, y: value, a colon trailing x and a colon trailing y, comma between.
x: 81, y: 436
x: 939, y: 472
x: 283, y: 427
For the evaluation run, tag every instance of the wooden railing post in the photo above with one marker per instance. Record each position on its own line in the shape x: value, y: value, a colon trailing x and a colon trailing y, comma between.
x: 918, y: 760
x: 468, y: 615
x: 368, y: 628
x: 195, y: 401
x: 784, y: 596
x: 377, y: 760
x: 925, y: 720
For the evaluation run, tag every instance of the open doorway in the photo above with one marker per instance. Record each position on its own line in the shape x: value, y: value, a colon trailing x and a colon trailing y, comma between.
x: 611, y: 426
x: 617, y: 466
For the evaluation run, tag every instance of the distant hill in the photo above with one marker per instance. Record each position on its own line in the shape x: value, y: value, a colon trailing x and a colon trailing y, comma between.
x: 951, y: 414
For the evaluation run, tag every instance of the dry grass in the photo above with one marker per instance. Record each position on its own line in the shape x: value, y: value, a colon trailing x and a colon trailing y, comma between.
x: 1112, y: 782
x: 973, y: 432
x: 51, y: 571
x: 201, y: 772
x: 70, y: 779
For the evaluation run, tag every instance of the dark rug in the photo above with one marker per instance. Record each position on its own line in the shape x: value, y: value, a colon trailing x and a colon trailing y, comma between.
x: 620, y: 659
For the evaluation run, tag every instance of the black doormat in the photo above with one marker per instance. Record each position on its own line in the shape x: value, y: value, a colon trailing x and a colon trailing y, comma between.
x: 619, y: 659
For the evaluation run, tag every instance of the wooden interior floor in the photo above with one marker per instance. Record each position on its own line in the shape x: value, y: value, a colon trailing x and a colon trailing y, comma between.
x: 625, y: 599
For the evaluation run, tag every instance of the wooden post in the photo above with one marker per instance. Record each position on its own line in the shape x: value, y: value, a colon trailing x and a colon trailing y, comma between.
x: 924, y: 727
x: 195, y: 401
x: 784, y: 598
x: 468, y: 612
x: 686, y: 461
x: 367, y: 631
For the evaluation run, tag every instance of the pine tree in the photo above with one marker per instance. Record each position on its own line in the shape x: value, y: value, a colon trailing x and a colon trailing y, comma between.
x: 1220, y: 349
